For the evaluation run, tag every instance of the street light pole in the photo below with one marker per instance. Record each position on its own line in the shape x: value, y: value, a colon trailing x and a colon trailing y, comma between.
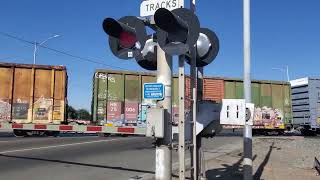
x: 288, y: 78
x: 286, y: 71
x: 36, y: 46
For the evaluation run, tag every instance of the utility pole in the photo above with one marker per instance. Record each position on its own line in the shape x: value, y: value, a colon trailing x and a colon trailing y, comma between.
x: 247, y: 134
x: 163, y: 146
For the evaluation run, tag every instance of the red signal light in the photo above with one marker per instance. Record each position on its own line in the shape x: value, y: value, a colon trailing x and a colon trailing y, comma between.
x: 127, y: 39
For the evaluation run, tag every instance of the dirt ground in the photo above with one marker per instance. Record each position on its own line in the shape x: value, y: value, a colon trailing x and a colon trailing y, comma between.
x: 275, y: 158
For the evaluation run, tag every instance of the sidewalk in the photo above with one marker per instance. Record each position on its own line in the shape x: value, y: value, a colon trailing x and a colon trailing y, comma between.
x: 283, y: 158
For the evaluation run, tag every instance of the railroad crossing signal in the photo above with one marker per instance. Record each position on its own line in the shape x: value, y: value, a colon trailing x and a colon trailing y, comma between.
x: 127, y: 36
x: 207, y: 48
x: 177, y: 32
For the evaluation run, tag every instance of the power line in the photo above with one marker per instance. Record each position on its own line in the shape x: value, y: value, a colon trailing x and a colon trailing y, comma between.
x: 61, y: 52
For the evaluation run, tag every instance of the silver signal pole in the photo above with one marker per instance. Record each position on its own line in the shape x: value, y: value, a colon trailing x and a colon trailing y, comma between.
x: 163, y: 148
x: 247, y: 135
x: 182, y: 138
x: 196, y: 95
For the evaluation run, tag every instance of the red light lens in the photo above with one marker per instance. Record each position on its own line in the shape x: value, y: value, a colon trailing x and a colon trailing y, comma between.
x: 127, y: 40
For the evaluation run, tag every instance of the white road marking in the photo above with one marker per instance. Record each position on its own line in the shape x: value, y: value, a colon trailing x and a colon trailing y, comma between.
x: 5, y: 141
x: 62, y: 145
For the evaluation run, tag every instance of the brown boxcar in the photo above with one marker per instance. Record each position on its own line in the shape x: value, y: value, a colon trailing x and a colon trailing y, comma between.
x: 117, y: 98
x: 33, y: 93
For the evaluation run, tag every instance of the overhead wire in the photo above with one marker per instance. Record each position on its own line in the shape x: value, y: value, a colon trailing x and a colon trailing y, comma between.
x: 61, y: 52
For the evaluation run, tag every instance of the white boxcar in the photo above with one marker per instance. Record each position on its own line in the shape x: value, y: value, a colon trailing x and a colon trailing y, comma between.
x: 305, y: 94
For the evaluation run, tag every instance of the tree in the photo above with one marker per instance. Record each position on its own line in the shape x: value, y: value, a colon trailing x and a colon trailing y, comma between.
x: 83, y: 114
x: 72, y: 113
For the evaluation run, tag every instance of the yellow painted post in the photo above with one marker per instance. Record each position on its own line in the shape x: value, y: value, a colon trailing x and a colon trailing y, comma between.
x: 50, y: 115
x: 31, y: 99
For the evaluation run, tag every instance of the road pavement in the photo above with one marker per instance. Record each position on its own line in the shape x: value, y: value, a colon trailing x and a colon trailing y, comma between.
x: 84, y: 157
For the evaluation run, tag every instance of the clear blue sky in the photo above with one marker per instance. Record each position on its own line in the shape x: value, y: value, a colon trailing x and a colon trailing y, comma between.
x: 285, y: 32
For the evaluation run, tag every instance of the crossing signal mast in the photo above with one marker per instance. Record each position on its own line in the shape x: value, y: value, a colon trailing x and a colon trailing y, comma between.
x: 176, y: 32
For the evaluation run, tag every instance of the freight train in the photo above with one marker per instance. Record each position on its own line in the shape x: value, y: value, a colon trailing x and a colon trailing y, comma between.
x: 305, y: 93
x: 117, y: 99
x: 33, y: 99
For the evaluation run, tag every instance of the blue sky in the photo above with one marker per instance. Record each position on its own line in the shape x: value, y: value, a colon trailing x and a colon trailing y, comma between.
x: 283, y: 33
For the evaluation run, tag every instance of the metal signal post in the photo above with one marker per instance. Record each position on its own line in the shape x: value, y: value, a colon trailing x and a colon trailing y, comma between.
x: 177, y: 32
x: 163, y: 146
x: 181, y: 147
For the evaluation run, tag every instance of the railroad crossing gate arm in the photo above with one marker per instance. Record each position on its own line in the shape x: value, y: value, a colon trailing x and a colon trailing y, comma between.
x: 74, y: 128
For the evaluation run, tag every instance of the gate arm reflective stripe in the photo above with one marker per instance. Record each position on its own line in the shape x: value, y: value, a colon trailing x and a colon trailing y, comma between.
x: 75, y: 128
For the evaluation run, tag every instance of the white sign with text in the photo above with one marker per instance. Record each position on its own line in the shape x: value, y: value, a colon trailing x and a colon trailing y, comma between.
x: 149, y: 7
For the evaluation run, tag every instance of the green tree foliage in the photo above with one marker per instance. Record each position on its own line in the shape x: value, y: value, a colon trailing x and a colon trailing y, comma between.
x: 83, y: 114
x: 72, y: 113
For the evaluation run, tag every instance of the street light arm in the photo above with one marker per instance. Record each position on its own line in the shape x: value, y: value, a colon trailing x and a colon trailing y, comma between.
x: 280, y: 69
x: 36, y: 46
x: 54, y: 36
x: 284, y: 70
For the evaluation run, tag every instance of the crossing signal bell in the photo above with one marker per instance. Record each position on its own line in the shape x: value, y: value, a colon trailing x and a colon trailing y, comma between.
x: 177, y: 31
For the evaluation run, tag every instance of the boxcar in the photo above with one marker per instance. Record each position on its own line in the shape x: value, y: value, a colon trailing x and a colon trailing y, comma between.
x: 117, y: 98
x: 33, y: 93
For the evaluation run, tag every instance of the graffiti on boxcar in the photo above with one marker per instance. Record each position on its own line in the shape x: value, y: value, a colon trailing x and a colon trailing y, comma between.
x: 5, y: 111
x: 57, y: 110
x: 42, y: 109
x: 131, y: 112
x: 268, y: 116
x: 21, y: 101
x: 112, y: 96
x: 20, y: 110
x: 104, y: 77
x: 102, y: 96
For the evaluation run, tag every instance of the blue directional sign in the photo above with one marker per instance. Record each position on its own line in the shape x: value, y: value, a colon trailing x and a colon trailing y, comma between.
x: 153, y: 91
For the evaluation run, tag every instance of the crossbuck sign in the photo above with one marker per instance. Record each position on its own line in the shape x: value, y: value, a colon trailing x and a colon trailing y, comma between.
x: 149, y: 7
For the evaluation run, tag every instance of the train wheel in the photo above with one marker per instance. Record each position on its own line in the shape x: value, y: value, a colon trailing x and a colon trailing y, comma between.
x: 281, y: 132
x: 19, y: 133
x: 52, y: 133
x: 307, y: 132
x: 35, y: 133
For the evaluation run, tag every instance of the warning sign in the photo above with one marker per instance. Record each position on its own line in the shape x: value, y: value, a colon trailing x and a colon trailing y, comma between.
x: 148, y: 8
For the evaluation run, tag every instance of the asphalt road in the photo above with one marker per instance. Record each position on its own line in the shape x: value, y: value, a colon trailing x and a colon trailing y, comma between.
x: 83, y: 157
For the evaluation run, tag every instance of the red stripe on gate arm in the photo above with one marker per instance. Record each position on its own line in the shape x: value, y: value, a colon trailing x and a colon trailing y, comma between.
x: 0, y: 125
x: 94, y: 128
x: 40, y: 126
x: 17, y: 126
x: 65, y: 128
x: 125, y: 130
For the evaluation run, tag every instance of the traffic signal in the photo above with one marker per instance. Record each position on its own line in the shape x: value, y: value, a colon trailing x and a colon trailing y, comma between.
x: 177, y: 31
x: 207, y: 48
x: 127, y: 36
